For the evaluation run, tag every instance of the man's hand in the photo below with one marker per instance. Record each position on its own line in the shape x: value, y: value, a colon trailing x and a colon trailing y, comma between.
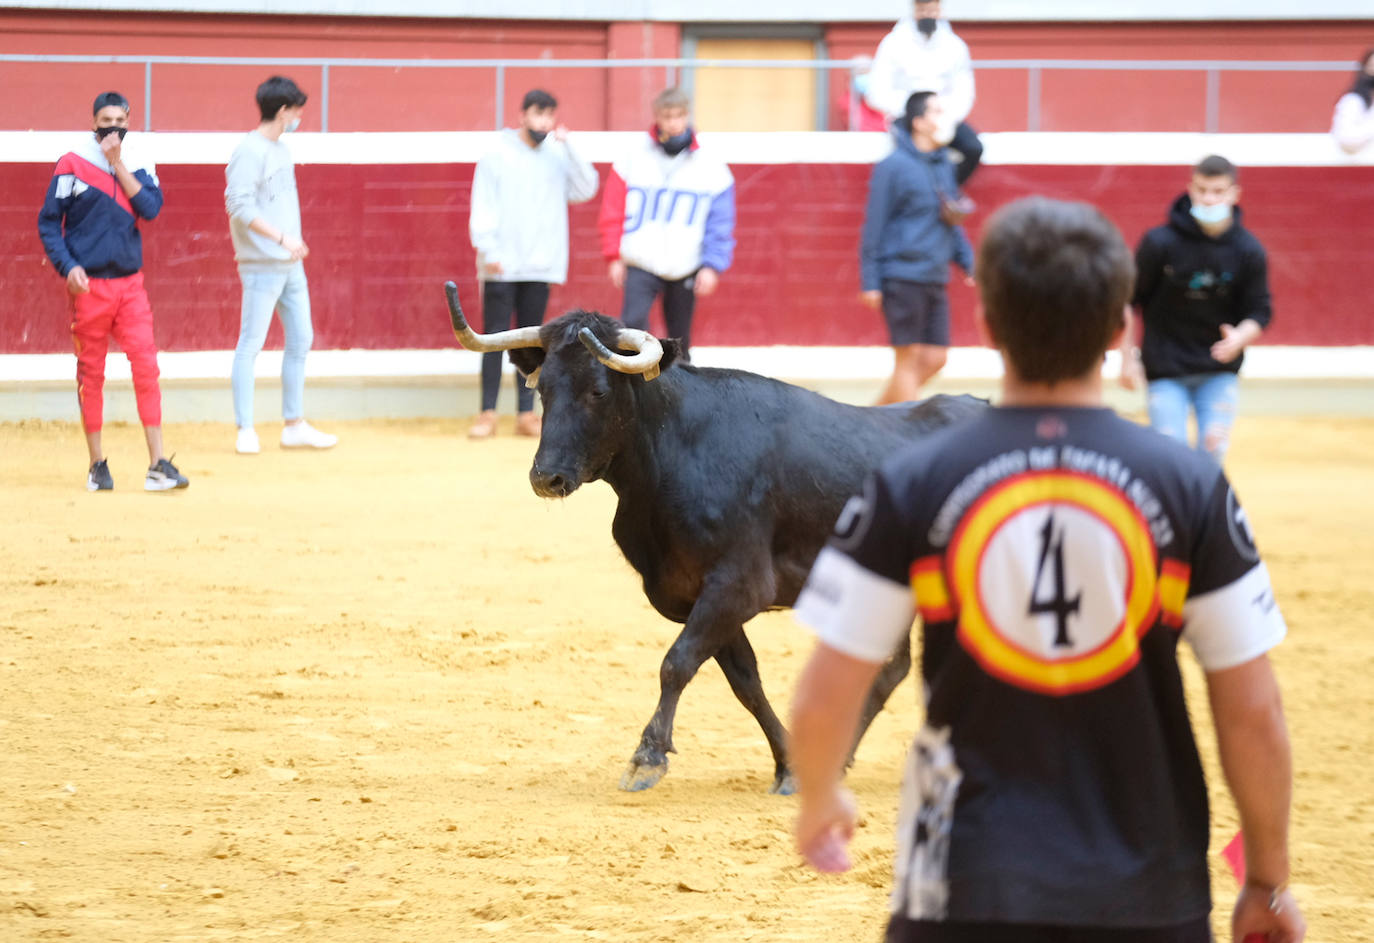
x: 296, y: 247
x: 78, y: 283
x: 491, y: 268
x: 616, y: 270
x: 1253, y: 917
x: 560, y: 133
x: 110, y: 146
x: 706, y: 281
x: 872, y: 299
x: 1232, y: 342
x: 824, y: 827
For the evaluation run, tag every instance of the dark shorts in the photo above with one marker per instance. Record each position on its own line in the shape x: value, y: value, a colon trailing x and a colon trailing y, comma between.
x: 902, y: 930
x: 916, y: 313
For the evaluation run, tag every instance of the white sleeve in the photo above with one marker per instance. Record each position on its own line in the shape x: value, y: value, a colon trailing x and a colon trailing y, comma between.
x: 959, y: 98
x: 484, y: 217
x: 583, y: 181
x: 883, y: 80
x: 1235, y: 623
x: 1352, y: 125
x: 854, y: 610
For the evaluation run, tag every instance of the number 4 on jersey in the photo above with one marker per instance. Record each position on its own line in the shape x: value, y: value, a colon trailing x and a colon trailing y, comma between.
x: 1052, y: 552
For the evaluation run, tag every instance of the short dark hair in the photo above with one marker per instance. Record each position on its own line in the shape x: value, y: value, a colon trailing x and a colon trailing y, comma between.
x: 916, y: 107
x: 277, y: 93
x: 1054, y: 278
x: 106, y: 99
x: 538, y: 98
x: 1215, y: 165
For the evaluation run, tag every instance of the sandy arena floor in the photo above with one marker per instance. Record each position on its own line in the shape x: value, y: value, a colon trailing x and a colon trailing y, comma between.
x: 386, y: 693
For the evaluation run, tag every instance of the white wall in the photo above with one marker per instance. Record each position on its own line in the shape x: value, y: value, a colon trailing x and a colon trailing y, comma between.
x: 717, y: 11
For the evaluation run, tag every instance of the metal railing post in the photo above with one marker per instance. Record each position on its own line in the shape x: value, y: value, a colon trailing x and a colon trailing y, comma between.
x: 324, y: 98
x: 147, y: 96
x: 1213, y: 119
x: 500, y: 95
x: 1033, y: 99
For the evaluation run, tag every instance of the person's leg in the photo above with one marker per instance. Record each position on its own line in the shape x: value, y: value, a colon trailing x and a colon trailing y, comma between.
x: 1168, y: 401
x: 261, y: 289
x: 531, y: 301
x: 293, y: 307
x: 679, y: 302
x: 1215, y: 400
x: 498, y: 305
x: 133, y: 329
x: 917, y: 317
x: 913, y: 365
x: 641, y: 288
x: 966, y: 143
x: 92, y: 314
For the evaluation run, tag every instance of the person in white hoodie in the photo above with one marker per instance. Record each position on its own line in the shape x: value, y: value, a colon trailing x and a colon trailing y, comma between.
x: 265, y: 226
x: 922, y: 54
x: 1353, y: 123
x: 519, y: 226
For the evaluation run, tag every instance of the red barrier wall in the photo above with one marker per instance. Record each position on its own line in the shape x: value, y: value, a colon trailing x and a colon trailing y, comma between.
x: 384, y: 239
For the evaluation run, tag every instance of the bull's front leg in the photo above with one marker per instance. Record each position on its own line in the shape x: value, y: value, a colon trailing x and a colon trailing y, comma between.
x: 716, y: 618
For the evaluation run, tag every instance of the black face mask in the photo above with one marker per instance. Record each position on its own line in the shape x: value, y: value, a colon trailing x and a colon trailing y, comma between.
x: 926, y: 25
x: 536, y: 136
x: 672, y: 146
x: 102, y: 133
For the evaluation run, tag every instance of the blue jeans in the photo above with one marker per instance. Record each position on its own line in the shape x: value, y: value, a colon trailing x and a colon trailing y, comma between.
x: 280, y: 288
x: 1211, y: 395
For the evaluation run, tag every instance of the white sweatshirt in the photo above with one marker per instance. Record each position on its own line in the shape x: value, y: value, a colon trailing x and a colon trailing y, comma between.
x: 520, y: 197
x: 908, y: 62
x: 1353, y: 123
x: 261, y: 181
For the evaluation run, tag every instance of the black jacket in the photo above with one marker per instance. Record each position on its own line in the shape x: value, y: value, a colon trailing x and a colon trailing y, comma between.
x: 1188, y: 284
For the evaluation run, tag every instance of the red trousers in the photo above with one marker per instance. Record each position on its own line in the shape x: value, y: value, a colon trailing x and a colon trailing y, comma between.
x: 118, y: 307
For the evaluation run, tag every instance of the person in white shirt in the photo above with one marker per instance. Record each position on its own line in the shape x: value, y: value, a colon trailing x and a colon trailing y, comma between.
x: 922, y: 54
x: 519, y: 226
x: 1353, y: 123
x: 265, y: 226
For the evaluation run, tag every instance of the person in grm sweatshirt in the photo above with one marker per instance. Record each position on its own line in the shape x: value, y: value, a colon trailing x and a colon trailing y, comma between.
x: 667, y: 220
x: 519, y: 226
x: 1202, y: 286
x: 89, y: 228
x: 265, y: 226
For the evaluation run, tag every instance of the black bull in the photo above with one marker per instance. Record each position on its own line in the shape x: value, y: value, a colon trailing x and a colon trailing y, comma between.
x: 728, y: 483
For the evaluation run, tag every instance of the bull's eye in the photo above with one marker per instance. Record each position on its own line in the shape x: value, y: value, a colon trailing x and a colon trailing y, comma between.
x: 600, y: 393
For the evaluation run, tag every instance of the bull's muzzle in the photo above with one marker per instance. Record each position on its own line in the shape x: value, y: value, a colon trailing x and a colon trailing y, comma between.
x: 549, y: 483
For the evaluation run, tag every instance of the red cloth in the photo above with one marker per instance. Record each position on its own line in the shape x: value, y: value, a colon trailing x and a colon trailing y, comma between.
x: 115, y: 307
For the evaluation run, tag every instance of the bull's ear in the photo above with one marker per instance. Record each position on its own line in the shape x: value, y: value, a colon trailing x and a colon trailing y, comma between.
x: 527, y: 360
x: 672, y: 353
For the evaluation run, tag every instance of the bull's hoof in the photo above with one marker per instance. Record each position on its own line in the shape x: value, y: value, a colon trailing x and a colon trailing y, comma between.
x: 784, y: 785
x: 641, y: 776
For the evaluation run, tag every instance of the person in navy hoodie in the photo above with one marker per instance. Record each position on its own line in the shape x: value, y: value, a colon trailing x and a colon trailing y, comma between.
x: 911, y: 234
x: 89, y: 228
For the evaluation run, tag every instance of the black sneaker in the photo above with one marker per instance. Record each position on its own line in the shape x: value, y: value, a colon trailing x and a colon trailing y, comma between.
x: 164, y: 477
x: 98, y: 478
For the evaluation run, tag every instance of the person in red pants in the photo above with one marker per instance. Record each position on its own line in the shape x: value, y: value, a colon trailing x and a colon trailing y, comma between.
x: 89, y: 228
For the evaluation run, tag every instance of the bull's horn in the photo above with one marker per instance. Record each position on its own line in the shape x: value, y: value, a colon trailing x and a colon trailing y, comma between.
x: 645, y: 362
x: 482, y: 343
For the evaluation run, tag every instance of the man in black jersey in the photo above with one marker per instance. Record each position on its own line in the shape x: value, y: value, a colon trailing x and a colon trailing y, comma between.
x: 1056, y: 554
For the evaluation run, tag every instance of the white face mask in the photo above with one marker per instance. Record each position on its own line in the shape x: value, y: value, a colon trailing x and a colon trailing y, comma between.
x: 1211, y: 215
x: 293, y: 124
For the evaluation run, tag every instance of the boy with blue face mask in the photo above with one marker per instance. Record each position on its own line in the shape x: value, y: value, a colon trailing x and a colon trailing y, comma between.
x: 1202, y: 287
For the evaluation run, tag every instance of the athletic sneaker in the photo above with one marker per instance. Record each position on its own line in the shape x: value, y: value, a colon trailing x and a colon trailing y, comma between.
x: 164, y: 477
x: 99, y: 478
x: 302, y: 435
x: 247, y: 442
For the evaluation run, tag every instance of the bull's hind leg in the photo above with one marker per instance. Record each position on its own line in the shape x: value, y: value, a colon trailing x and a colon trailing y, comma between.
x: 741, y: 669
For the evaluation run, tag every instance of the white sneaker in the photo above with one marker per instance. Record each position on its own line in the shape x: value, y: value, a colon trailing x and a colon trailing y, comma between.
x: 247, y: 442
x: 302, y: 435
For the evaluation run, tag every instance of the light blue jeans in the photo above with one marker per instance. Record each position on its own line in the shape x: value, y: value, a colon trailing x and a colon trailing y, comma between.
x: 268, y: 288
x: 1211, y: 395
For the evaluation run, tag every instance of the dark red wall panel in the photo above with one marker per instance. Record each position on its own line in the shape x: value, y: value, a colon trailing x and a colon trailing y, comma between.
x: 384, y: 239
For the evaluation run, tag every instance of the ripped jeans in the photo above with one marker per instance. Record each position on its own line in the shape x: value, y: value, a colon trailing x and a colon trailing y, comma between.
x: 1211, y: 395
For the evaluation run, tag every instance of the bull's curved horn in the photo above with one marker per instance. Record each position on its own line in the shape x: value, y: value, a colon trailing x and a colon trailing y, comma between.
x: 482, y: 343
x: 645, y: 361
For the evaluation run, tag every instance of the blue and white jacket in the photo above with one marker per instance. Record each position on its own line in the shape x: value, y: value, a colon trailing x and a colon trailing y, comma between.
x: 88, y: 220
